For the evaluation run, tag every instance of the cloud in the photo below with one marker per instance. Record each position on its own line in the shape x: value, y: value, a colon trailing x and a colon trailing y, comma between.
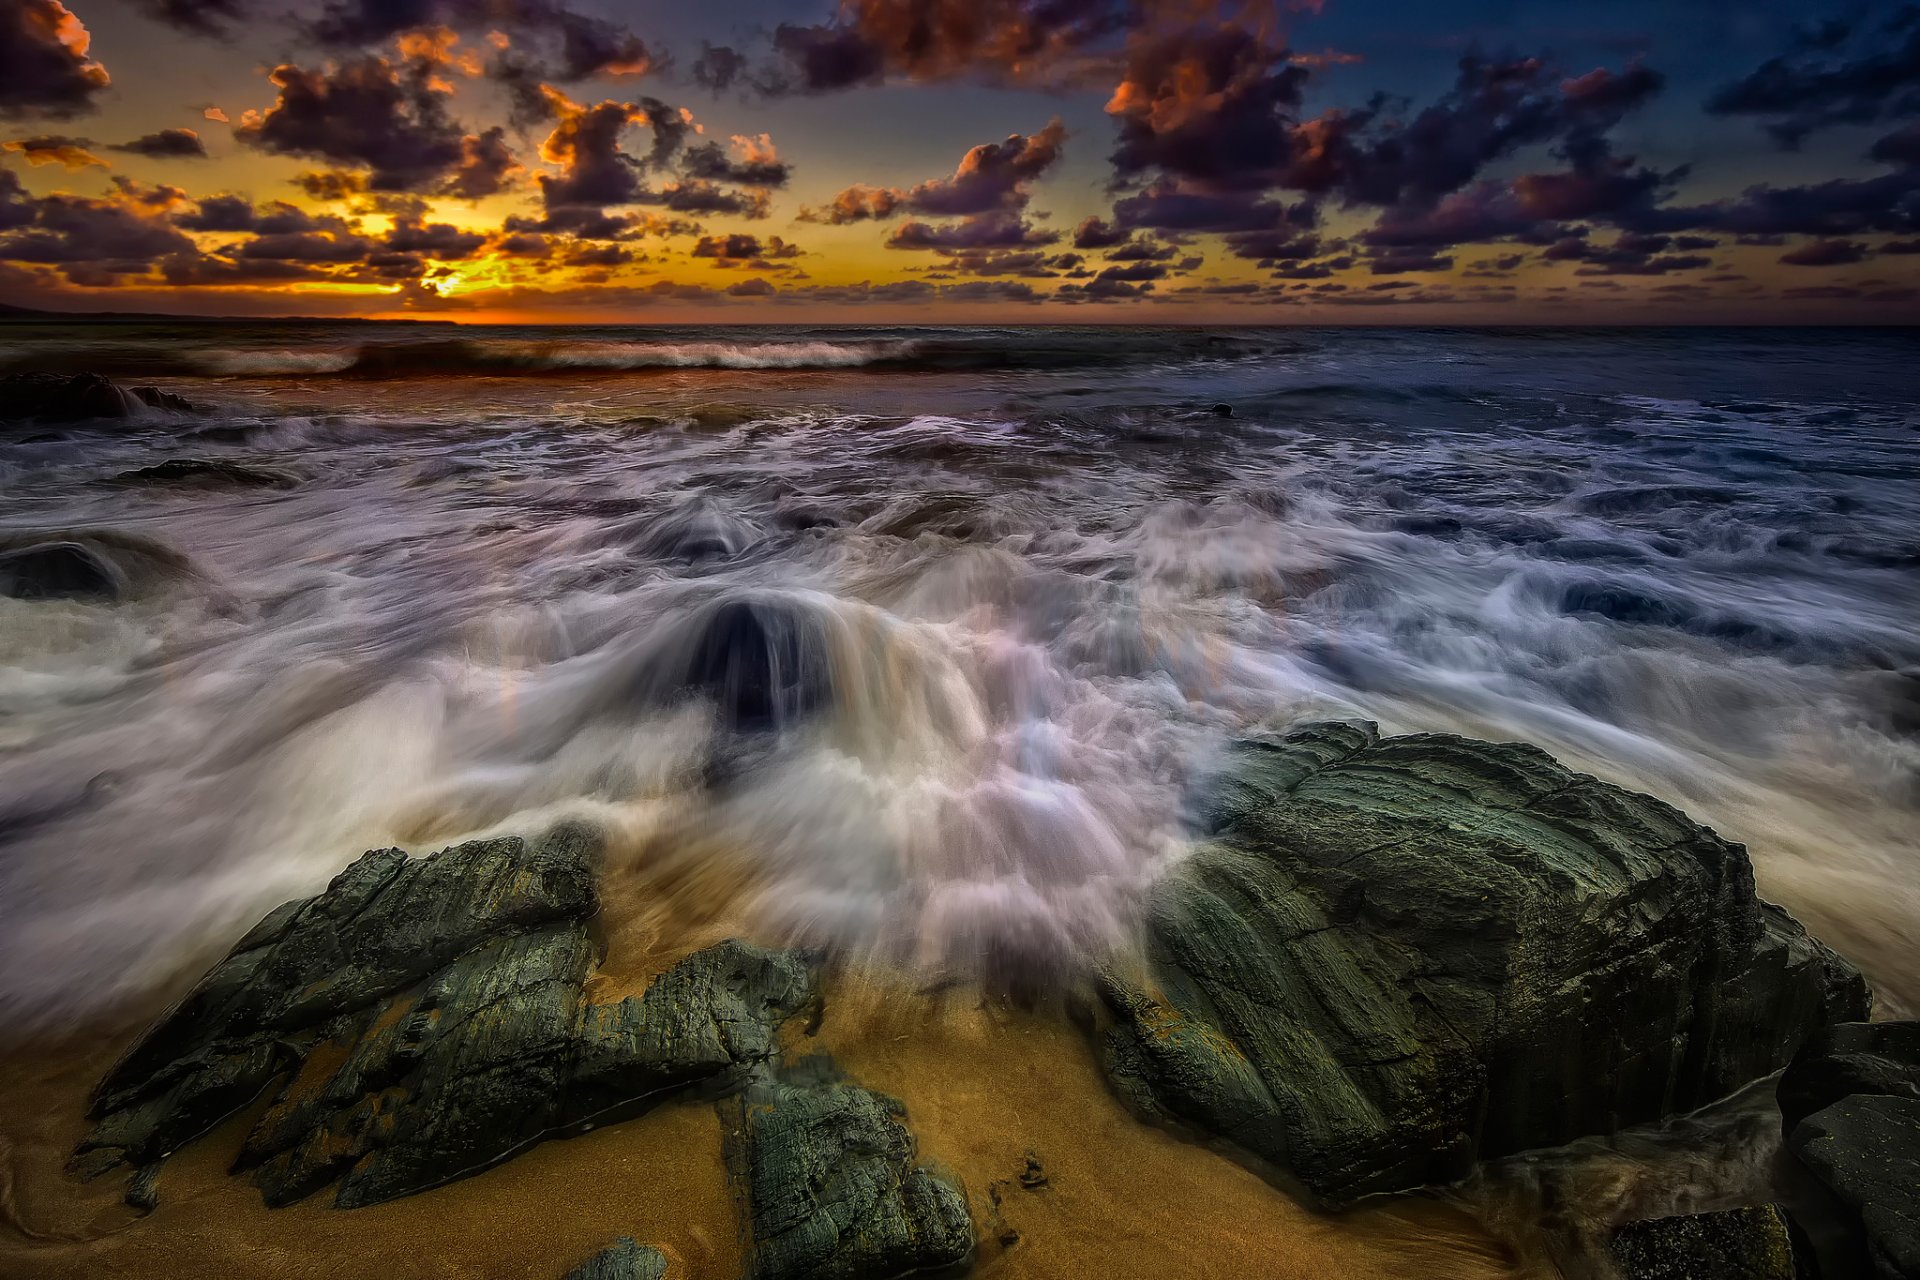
x: 718, y: 67
x: 165, y: 144
x: 198, y: 17
x: 366, y: 112
x: 487, y: 166
x: 1215, y: 106
x: 994, y: 176
x: 999, y: 230
x: 698, y: 196
x: 55, y: 148
x: 1097, y: 233
x: 571, y: 45
x: 754, y: 162
x: 1826, y: 253
x: 91, y: 240
x: 1855, y: 70
x: 1035, y: 42
x: 44, y: 67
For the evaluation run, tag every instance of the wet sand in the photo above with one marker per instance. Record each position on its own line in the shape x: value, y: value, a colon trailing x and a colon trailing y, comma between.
x: 984, y: 1085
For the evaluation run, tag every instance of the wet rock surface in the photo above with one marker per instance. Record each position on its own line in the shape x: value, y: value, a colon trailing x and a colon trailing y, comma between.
x: 826, y: 1174
x: 1850, y: 1107
x: 78, y: 397
x: 1398, y: 956
x: 96, y: 566
x: 625, y: 1259
x: 426, y: 1018
x: 1751, y: 1243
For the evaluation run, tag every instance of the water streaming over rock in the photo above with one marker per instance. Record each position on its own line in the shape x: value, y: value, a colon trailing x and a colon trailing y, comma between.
x: 917, y: 641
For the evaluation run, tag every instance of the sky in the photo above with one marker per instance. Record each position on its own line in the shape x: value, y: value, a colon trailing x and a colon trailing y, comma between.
x: 931, y: 161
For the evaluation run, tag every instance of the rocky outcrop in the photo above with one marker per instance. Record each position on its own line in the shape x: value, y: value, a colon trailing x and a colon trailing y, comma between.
x: 1850, y: 1106
x: 1398, y: 956
x: 426, y: 1019
x: 78, y: 397
x: 624, y: 1259
x: 1751, y: 1243
x: 101, y: 565
x: 826, y: 1174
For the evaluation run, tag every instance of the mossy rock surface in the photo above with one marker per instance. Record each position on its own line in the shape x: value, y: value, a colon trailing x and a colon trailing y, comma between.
x: 1393, y: 957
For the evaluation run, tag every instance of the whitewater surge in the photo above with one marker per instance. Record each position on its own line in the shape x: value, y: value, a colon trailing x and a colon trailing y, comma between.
x: 916, y: 645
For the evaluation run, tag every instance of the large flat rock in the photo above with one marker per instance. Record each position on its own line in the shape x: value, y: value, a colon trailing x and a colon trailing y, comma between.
x: 1396, y: 956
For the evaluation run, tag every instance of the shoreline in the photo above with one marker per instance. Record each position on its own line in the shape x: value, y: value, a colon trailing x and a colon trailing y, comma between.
x: 983, y: 1083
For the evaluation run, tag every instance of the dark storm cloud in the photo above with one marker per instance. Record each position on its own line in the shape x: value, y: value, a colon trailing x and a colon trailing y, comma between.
x: 1013, y: 41
x: 1855, y: 70
x: 718, y: 67
x: 199, y: 17
x: 1630, y: 254
x: 165, y: 144
x: 733, y: 248
x: 991, y: 177
x: 332, y: 184
x: 758, y: 166
x: 487, y: 166
x: 412, y: 234
x: 1216, y: 106
x: 582, y: 45
x: 1826, y: 253
x: 1097, y: 233
x: 98, y: 238
x: 220, y: 213
x: 44, y: 67
x: 390, y: 118
x: 697, y: 196
x: 983, y: 231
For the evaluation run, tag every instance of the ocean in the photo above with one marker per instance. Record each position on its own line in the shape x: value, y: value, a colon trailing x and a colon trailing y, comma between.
x: 461, y: 581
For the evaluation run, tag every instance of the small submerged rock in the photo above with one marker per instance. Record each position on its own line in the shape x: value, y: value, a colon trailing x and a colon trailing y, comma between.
x: 1399, y: 956
x: 208, y: 472
x: 102, y: 565
x: 624, y: 1259
x: 1751, y: 1243
x: 829, y: 1184
x: 697, y: 533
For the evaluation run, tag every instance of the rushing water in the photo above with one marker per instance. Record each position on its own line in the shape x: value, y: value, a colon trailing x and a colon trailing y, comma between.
x: 1016, y: 586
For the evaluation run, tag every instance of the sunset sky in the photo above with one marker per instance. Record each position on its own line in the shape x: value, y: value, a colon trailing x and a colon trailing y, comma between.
x: 964, y: 160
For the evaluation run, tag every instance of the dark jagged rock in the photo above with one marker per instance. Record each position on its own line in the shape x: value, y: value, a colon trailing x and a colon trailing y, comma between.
x: 98, y: 565
x: 208, y: 472
x: 1875, y: 1059
x: 1865, y: 1150
x: 1850, y: 1104
x: 77, y: 397
x: 624, y: 1259
x: 429, y: 1019
x: 825, y: 1170
x: 1399, y: 956
x: 1751, y: 1243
